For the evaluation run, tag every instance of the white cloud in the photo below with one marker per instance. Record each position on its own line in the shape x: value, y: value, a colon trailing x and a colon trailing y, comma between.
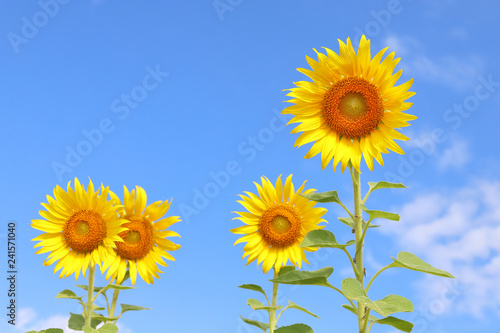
x: 28, y: 321
x: 457, y: 72
x: 454, y: 157
x: 459, y: 232
x: 453, y: 154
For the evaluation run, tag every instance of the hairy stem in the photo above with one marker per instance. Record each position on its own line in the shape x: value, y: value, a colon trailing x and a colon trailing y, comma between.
x: 90, y: 296
x: 358, y: 229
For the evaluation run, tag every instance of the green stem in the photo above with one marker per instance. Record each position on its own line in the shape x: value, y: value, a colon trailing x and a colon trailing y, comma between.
x: 111, y: 312
x: 90, y: 296
x: 272, y: 313
x: 352, y: 262
x: 366, y: 320
x: 340, y: 291
x: 358, y: 229
x: 376, y: 274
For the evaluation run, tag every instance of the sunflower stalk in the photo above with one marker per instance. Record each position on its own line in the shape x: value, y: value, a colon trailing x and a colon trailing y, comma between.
x: 358, y: 229
x: 111, y: 313
x: 272, y: 313
x: 90, y: 296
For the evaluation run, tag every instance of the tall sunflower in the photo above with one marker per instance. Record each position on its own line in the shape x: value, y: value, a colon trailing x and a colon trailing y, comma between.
x: 352, y: 107
x: 80, y: 229
x: 144, y: 243
x: 277, y: 221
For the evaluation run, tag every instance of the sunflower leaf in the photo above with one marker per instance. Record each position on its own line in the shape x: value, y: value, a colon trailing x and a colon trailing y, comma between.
x: 254, y: 287
x: 393, y: 304
x: 76, y: 322
x: 323, y: 197
x: 295, y: 328
x: 128, y: 307
x: 88, y: 329
x: 261, y: 325
x: 322, y: 238
x: 292, y: 305
x: 411, y: 261
x: 119, y: 287
x: 108, y: 328
x: 350, y: 223
x: 68, y: 294
x: 397, y: 323
x: 353, y: 289
x: 286, y: 269
x: 380, y: 185
x: 255, y: 303
x: 375, y: 214
x: 314, y: 278
x: 86, y: 288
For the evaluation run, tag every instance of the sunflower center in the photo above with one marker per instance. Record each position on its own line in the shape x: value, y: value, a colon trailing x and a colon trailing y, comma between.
x: 353, y: 107
x: 280, y: 225
x: 84, y: 231
x: 138, y: 241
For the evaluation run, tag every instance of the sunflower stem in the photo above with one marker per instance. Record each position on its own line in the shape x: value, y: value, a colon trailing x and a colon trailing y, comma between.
x: 272, y: 312
x: 113, y: 304
x: 90, y: 296
x: 358, y: 229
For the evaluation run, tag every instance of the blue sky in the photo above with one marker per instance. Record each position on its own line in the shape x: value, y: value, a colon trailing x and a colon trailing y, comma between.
x: 171, y: 95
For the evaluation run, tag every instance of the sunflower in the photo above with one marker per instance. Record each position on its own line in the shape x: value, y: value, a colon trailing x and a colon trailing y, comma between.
x: 352, y: 107
x: 276, y: 223
x: 144, y: 243
x: 81, y: 229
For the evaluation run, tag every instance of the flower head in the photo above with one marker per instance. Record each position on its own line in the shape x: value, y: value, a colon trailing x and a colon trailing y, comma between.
x: 81, y: 228
x: 352, y: 107
x: 277, y: 221
x: 144, y: 242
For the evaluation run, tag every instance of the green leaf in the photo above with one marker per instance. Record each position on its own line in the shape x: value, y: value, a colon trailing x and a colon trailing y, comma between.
x: 315, y: 278
x: 350, y: 223
x: 295, y: 328
x: 68, y: 294
x: 128, y: 307
x: 393, y: 304
x: 411, y: 261
x: 400, y: 324
x: 97, y: 308
x: 49, y: 330
x: 108, y: 328
x: 286, y: 269
x: 330, y: 196
x: 388, y: 305
x: 375, y: 214
x: 292, y: 305
x: 255, y: 303
x: 350, y: 308
x: 88, y: 329
x: 76, y: 321
x: 323, y: 238
x: 261, y: 325
x: 119, y: 287
x: 353, y: 289
x: 86, y: 288
x: 380, y: 185
x: 254, y: 287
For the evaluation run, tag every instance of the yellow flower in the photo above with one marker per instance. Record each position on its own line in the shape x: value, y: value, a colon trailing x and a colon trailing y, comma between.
x: 80, y: 229
x: 276, y: 223
x: 352, y: 107
x: 144, y: 243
